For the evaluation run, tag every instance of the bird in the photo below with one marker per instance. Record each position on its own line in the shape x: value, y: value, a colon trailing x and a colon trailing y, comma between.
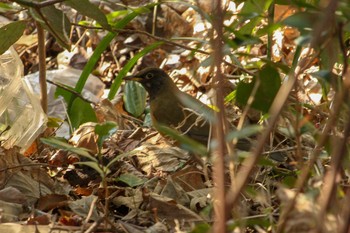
x: 169, y: 106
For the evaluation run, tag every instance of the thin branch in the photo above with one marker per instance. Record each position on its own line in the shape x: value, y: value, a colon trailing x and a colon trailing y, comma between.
x: 340, y: 149
x: 337, y: 157
x: 37, y: 5
x: 221, y: 214
x: 167, y: 41
x: 71, y: 91
x: 30, y: 165
x: 275, y: 110
x: 42, y: 66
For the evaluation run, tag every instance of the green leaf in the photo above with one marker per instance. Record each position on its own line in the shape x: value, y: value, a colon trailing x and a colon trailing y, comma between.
x: 134, y: 98
x: 243, y: 40
x: 96, y: 167
x: 201, y: 227
x: 230, y: 97
x: 131, y: 180
x: 89, y: 67
x: 104, y: 131
x: 252, y: 14
x: 81, y: 112
x: 6, y: 8
x: 270, y: 83
x: 186, y: 142
x: 61, y: 144
x: 64, y: 93
x: 54, y: 21
x: 147, y: 121
x: 85, y: 7
x: 82, y: 207
x: 115, y: 16
x: 101, y: 47
x: 9, y: 34
x: 54, y: 122
x: 118, y: 80
x: 205, y: 111
x: 121, y: 156
x: 245, y: 132
x: 255, y: 7
x: 324, y: 77
x: 304, y: 21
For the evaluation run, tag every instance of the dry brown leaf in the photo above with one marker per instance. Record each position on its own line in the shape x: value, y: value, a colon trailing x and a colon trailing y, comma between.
x: 166, y: 158
x: 175, y: 191
x: 127, y: 227
x: 189, y: 178
x: 133, y: 199
x: 174, y: 25
x: 10, y: 212
x: 13, y: 195
x: 304, y: 216
x: 82, y: 207
x: 19, y: 228
x: 167, y: 209
x: 51, y: 201
x: 39, y: 220
x: 18, y: 172
x: 85, y: 137
x: 108, y: 111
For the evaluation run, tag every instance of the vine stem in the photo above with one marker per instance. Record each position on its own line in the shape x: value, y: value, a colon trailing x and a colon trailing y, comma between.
x: 42, y: 66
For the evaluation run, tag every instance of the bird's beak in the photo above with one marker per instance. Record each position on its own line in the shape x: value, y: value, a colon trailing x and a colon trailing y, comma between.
x: 132, y: 78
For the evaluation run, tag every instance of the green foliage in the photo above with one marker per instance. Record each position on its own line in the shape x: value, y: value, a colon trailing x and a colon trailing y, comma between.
x: 102, y: 170
x: 79, y: 118
x: 118, y: 80
x: 62, y: 144
x: 54, y: 21
x: 85, y: 7
x: 97, y: 53
x: 5, y: 8
x: 57, y: 23
x: 303, y: 21
x: 252, y: 13
x: 131, y: 180
x: 101, y: 47
x: 201, y: 228
x: 269, y: 84
x: 54, y: 122
x: 134, y: 98
x: 81, y: 112
x: 244, y: 133
x: 185, y: 142
x: 207, y: 113
x: 10, y: 33
x: 104, y: 131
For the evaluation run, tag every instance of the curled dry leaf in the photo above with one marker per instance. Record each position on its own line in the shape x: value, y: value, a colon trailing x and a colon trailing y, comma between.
x: 165, y: 159
x: 20, y: 174
x: 10, y: 212
x: 13, y: 195
x: 168, y: 209
x: 85, y: 137
x: 51, y: 201
x: 304, y: 216
x: 176, y: 192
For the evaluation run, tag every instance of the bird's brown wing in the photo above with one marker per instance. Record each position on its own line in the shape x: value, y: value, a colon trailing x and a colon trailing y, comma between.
x: 169, y: 110
x: 166, y: 110
x: 195, y: 124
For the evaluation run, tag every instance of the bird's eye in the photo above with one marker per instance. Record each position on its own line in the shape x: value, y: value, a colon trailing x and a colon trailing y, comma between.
x: 149, y: 75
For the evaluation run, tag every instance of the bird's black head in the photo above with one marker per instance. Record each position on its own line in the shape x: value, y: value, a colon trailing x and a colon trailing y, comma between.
x: 154, y: 80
